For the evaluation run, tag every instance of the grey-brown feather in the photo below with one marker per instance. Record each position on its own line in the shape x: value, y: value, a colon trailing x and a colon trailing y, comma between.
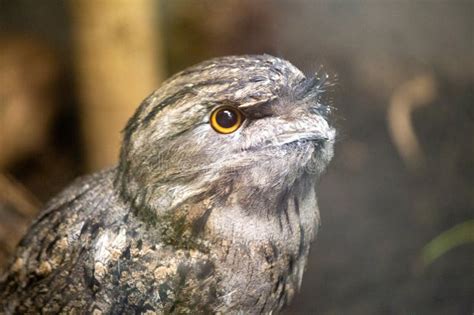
x: 190, y: 221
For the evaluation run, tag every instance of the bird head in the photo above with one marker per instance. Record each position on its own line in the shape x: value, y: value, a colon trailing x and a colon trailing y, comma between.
x: 244, y: 130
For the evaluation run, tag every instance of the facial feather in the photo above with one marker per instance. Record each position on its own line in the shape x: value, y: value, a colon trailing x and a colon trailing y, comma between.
x: 171, y: 153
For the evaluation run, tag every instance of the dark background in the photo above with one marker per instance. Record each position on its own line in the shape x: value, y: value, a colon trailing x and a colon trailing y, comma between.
x: 379, y: 209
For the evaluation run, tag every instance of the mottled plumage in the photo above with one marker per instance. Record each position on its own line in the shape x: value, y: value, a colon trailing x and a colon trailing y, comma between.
x: 190, y: 221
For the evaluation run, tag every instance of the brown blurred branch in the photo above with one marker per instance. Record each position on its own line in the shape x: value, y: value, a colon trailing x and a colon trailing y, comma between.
x: 29, y: 73
x: 18, y: 207
x: 412, y: 94
x: 119, y: 63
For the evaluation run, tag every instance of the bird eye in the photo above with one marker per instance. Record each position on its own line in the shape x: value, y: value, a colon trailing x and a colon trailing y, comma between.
x: 226, y: 119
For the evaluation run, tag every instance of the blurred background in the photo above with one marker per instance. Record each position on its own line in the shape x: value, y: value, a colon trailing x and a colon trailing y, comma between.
x: 397, y: 203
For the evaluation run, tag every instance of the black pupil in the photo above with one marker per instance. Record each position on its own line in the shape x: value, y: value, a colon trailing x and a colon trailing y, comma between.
x: 226, y: 118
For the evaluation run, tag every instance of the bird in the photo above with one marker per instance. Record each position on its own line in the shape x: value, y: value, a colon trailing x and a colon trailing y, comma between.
x: 211, y: 208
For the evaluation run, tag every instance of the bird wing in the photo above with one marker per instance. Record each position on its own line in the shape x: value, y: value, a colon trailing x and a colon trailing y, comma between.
x: 87, y: 251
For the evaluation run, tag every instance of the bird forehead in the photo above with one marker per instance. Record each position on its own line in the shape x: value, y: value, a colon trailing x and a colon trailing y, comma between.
x: 257, y: 67
x: 243, y: 79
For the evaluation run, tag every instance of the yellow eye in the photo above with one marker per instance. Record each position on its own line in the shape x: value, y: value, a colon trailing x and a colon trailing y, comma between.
x: 226, y: 119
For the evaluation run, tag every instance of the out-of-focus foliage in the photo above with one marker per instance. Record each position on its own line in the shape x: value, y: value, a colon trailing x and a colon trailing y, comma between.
x: 459, y: 235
